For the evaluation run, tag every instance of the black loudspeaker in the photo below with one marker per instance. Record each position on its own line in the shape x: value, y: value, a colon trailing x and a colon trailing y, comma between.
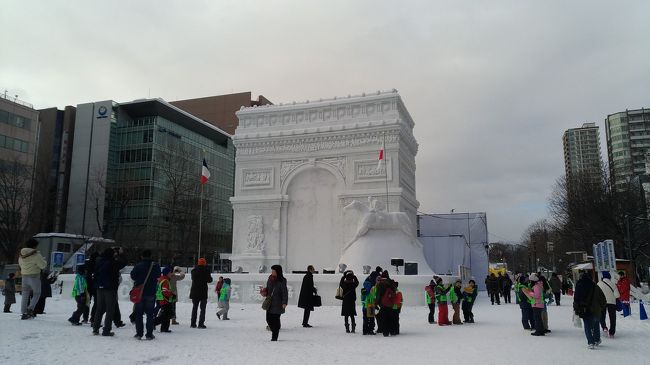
x: 397, y: 262
x: 411, y: 268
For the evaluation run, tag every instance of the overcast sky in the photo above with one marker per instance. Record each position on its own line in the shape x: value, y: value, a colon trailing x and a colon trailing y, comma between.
x: 491, y: 85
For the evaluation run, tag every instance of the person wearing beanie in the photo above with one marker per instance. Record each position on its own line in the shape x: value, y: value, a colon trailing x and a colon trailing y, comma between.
x: 276, y: 289
x: 199, y: 291
x: 611, y: 294
x: 165, y: 298
x: 177, y: 275
x: 537, y: 301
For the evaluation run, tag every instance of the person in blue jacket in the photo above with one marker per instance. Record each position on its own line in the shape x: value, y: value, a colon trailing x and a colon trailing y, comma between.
x: 145, y: 267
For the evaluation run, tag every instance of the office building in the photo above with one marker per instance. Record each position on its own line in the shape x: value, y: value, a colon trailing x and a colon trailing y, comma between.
x: 628, y: 141
x: 220, y: 110
x: 135, y: 177
x: 56, y: 135
x: 582, y: 152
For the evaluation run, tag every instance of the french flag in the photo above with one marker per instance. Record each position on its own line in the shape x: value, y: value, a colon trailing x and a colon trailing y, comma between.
x: 381, y: 158
x: 205, y: 173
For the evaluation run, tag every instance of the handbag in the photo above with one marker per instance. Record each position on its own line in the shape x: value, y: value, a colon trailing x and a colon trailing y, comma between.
x: 577, y: 322
x: 135, y: 294
x: 339, y: 293
x: 316, y: 300
x: 266, y: 304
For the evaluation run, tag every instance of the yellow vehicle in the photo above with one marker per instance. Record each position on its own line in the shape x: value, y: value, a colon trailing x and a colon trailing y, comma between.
x: 497, y: 268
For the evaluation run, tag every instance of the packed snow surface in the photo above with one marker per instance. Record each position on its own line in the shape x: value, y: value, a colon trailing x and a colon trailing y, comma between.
x: 497, y: 337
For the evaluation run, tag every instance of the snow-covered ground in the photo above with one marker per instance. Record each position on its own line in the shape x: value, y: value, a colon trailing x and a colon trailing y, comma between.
x: 496, y: 338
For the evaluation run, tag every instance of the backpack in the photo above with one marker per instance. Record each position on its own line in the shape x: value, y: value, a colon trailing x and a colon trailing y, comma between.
x: 582, y: 309
x: 387, y: 297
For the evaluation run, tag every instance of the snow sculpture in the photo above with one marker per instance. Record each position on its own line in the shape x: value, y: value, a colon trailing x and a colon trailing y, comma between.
x: 374, y: 216
x: 255, y: 233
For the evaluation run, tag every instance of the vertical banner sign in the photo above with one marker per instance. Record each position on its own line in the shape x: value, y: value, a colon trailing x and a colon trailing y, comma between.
x: 605, y: 264
x: 609, y: 246
x: 596, y: 260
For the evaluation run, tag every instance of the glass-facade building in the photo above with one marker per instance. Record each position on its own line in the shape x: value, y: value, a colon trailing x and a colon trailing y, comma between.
x: 152, y: 181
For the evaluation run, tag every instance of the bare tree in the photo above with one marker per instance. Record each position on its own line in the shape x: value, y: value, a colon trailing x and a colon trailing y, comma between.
x: 15, y: 206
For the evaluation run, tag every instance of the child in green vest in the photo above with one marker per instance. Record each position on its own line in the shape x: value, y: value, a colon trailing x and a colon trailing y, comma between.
x: 224, y: 300
x: 80, y: 295
x: 469, y: 297
x: 165, y: 297
x: 440, y: 292
x: 430, y: 299
x: 455, y: 295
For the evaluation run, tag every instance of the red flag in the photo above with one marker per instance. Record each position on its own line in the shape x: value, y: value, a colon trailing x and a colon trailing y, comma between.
x: 205, y: 173
x: 381, y: 158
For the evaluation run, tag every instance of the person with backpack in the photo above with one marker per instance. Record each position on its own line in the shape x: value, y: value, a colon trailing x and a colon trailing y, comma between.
x: 165, y: 297
x: 368, y: 294
x: 440, y: 292
x: 527, y: 318
x: 224, y: 300
x: 455, y: 295
x: 80, y: 295
x: 588, y: 303
x: 398, y: 300
x: 611, y: 294
x: 349, y: 283
x: 306, y: 297
x: 536, y: 295
x: 430, y: 299
x: 470, y: 292
x: 385, y: 301
x: 199, y: 291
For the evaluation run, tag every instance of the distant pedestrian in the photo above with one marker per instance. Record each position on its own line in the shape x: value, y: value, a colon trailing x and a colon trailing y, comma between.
x: 525, y: 303
x: 430, y: 299
x: 556, y: 287
x: 536, y: 294
x: 224, y: 300
x: 47, y: 279
x: 506, y: 288
x: 623, y: 285
x: 349, y: 283
x: 611, y: 294
x: 493, y: 289
x: 455, y: 296
x: 107, y: 275
x: 217, y: 287
x: 368, y: 293
x: 276, y: 289
x: 199, y: 291
x: 306, y: 297
x: 31, y: 263
x: 441, y: 298
x: 385, y: 299
x: 9, y: 292
x: 588, y: 303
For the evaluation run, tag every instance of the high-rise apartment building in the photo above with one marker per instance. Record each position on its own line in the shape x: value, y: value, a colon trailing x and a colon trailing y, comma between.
x: 628, y: 141
x: 582, y: 152
x: 136, y: 178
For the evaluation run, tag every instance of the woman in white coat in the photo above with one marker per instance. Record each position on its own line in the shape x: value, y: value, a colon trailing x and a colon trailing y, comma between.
x: 611, y: 294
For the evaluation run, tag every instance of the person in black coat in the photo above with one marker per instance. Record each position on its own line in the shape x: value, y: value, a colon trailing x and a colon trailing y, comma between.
x: 276, y: 288
x: 199, y: 291
x: 107, y: 274
x: 493, y: 289
x: 306, y: 298
x: 90, y: 273
x: 349, y: 284
x: 506, y: 287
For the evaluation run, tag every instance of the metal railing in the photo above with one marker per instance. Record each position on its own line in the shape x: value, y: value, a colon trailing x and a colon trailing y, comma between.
x: 14, y: 99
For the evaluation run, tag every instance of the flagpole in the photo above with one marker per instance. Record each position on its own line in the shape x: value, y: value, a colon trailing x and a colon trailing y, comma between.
x: 386, y: 173
x: 200, y: 220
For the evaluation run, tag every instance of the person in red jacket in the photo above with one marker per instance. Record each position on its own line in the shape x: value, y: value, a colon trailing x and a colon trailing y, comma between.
x: 165, y: 297
x: 623, y: 286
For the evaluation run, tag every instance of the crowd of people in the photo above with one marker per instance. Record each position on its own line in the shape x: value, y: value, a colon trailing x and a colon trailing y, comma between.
x: 98, y: 280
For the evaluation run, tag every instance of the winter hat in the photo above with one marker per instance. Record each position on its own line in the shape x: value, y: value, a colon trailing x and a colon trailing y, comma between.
x: 533, y: 277
x: 385, y: 275
x: 166, y: 271
x: 606, y: 275
x: 202, y: 262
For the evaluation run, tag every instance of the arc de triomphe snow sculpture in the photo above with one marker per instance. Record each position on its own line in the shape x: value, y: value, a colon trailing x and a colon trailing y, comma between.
x: 299, y: 164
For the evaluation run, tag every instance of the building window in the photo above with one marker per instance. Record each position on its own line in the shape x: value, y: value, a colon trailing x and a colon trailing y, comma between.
x: 14, y: 144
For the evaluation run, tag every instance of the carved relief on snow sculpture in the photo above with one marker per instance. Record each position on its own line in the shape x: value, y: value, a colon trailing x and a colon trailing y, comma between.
x: 374, y: 216
x: 255, y: 233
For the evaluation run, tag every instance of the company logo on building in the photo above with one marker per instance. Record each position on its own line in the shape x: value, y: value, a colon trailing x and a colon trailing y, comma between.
x: 101, y: 112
